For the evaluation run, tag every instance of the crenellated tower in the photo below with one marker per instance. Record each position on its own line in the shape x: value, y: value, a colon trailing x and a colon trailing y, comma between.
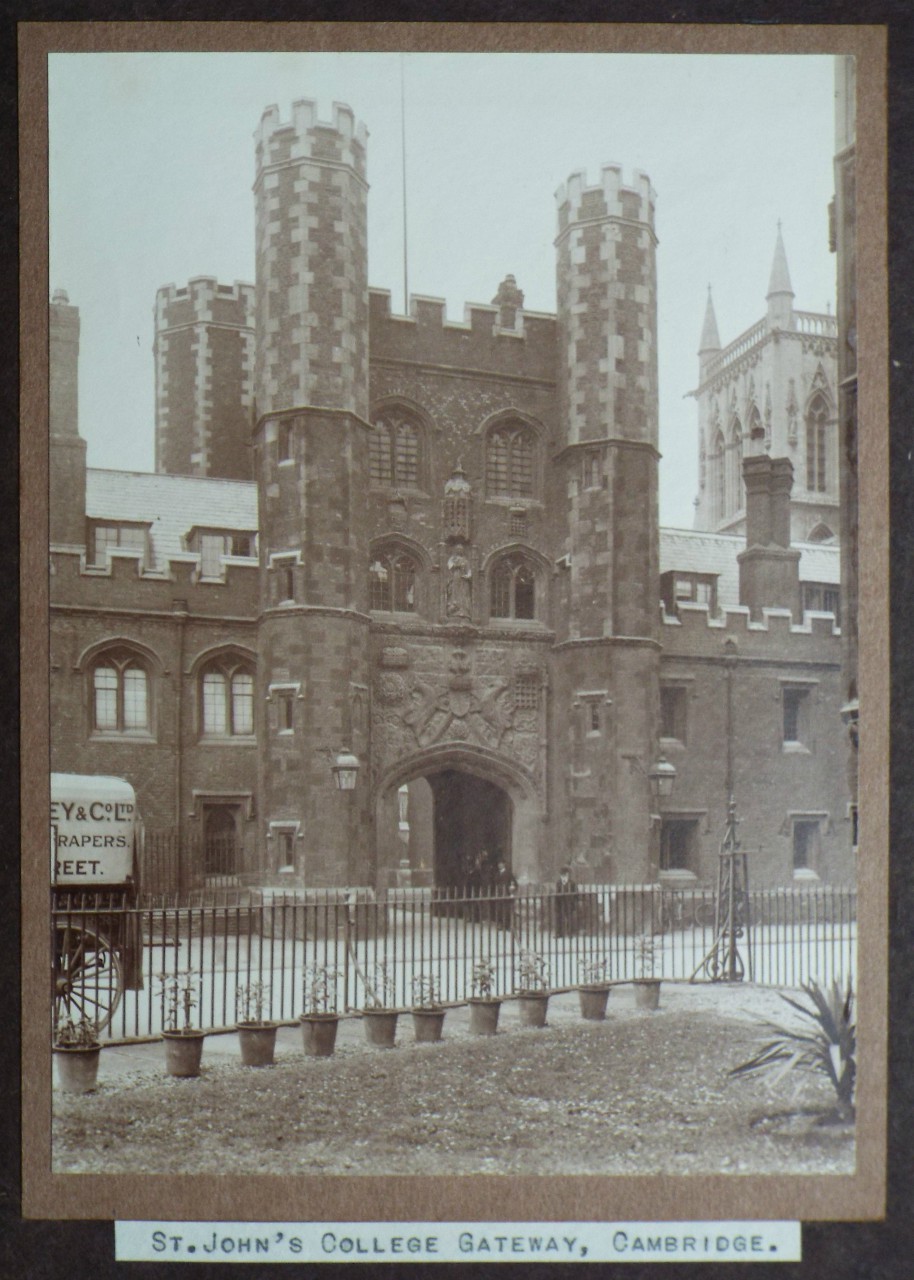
x: 607, y: 656
x: 204, y: 368
x: 67, y: 457
x: 311, y: 455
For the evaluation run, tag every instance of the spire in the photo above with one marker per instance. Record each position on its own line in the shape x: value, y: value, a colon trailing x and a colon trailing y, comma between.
x: 780, y: 290
x: 780, y: 275
x: 710, y: 338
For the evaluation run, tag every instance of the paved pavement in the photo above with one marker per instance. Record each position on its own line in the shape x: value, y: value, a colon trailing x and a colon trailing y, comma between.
x: 134, y: 1061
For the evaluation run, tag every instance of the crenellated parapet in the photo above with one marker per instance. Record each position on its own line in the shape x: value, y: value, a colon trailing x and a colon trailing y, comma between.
x: 696, y: 632
x: 478, y: 342
x: 610, y: 198
x: 203, y: 300
x: 340, y: 140
x: 122, y: 582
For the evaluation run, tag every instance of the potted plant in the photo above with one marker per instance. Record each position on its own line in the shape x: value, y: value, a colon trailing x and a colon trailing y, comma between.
x: 531, y: 990
x: 256, y: 1034
x: 428, y: 1012
x: 380, y: 1021
x: 77, y: 1052
x: 183, y: 1044
x: 320, y: 1020
x: 593, y: 992
x: 484, y: 1004
x: 647, y: 987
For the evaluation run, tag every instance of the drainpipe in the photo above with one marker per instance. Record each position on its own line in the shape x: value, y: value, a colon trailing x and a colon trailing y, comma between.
x: 180, y: 611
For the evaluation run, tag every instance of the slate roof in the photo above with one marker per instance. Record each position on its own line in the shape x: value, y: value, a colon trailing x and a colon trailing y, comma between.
x: 691, y: 551
x: 173, y: 505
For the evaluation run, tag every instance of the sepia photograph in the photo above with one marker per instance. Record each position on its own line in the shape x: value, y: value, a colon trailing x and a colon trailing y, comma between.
x: 453, y: 604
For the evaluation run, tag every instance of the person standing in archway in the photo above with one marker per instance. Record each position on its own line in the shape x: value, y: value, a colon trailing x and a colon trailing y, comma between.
x: 505, y: 889
x: 566, y: 905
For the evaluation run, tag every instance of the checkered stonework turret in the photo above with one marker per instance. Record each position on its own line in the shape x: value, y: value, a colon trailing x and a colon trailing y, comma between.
x: 607, y: 307
x: 312, y: 266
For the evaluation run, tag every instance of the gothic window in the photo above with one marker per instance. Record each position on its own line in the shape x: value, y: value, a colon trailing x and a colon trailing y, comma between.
x: 734, y: 497
x: 510, y: 461
x: 392, y: 578
x: 512, y: 587
x: 394, y: 451
x: 817, y: 446
x: 227, y: 699
x: 718, y: 488
x: 120, y: 689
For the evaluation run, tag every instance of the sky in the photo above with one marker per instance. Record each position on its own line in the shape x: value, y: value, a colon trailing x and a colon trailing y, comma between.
x: 152, y: 164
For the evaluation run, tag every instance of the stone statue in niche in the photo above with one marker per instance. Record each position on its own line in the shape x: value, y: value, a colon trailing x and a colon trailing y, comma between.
x: 459, y: 586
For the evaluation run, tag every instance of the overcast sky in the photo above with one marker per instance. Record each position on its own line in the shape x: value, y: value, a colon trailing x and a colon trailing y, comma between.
x: 152, y: 161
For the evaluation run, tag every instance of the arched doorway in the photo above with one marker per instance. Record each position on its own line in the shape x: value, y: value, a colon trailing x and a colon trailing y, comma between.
x: 472, y: 821
x: 220, y: 840
x: 468, y: 800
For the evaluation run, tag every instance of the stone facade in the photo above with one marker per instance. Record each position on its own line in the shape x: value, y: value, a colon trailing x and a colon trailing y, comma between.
x: 457, y: 577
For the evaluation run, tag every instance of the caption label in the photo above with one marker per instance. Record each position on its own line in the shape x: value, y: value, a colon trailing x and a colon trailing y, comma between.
x: 457, y: 1241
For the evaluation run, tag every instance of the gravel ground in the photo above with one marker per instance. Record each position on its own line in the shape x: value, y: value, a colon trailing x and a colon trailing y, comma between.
x: 639, y: 1093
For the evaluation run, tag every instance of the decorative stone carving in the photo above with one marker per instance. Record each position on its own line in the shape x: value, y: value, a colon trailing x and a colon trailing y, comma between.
x: 459, y: 585
x: 394, y: 657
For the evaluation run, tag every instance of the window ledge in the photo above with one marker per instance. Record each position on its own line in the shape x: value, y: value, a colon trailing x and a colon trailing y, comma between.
x: 672, y: 743
x: 805, y: 873
x: 227, y: 740
x: 795, y: 749
x: 120, y: 735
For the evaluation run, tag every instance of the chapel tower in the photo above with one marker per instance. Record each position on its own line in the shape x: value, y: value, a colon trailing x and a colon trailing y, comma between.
x: 311, y: 456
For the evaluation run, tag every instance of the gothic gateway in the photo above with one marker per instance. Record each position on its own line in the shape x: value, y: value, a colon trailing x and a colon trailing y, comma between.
x: 435, y: 545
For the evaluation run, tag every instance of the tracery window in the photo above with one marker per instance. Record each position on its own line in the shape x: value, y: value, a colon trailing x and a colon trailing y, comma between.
x: 120, y: 689
x: 510, y: 461
x: 735, y: 469
x: 817, y: 446
x: 395, y: 451
x: 718, y: 486
x: 392, y: 580
x: 227, y: 698
x: 512, y: 588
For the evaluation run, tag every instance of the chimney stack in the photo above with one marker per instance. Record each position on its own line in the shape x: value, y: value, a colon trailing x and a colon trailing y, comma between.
x: 769, y: 568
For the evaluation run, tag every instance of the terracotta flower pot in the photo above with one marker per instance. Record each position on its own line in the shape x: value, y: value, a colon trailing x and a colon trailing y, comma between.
x: 319, y: 1033
x: 647, y: 993
x: 532, y: 1006
x: 428, y: 1024
x: 593, y: 997
x: 380, y: 1026
x: 183, y: 1052
x: 484, y: 1011
x: 258, y: 1043
x: 77, y: 1067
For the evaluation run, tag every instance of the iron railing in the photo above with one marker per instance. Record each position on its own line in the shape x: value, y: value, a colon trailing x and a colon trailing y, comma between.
x: 113, y: 961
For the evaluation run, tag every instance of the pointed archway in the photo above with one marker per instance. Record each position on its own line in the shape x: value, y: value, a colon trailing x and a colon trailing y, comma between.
x: 481, y: 804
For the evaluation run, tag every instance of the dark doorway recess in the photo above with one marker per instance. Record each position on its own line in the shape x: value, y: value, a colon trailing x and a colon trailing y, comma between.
x: 471, y: 815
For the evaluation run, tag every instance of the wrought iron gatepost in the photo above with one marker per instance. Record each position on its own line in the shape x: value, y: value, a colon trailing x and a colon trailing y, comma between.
x: 724, y: 961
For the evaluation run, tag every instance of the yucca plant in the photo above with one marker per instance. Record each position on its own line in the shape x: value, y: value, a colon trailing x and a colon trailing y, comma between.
x: 829, y: 1046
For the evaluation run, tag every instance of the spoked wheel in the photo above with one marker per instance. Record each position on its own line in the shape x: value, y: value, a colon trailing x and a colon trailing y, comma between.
x: 705, y: 913
x: 88, y: 982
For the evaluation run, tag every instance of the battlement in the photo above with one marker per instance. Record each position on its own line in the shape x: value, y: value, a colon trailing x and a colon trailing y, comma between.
x: 426, y: 335
x: 204, y: 300
x: 609, y: 198
x: 123, y: 582
x: 695, y: 631
x: 341, y: 140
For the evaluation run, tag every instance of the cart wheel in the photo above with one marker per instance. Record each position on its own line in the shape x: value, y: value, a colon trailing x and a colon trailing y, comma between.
x: 88, y: 982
